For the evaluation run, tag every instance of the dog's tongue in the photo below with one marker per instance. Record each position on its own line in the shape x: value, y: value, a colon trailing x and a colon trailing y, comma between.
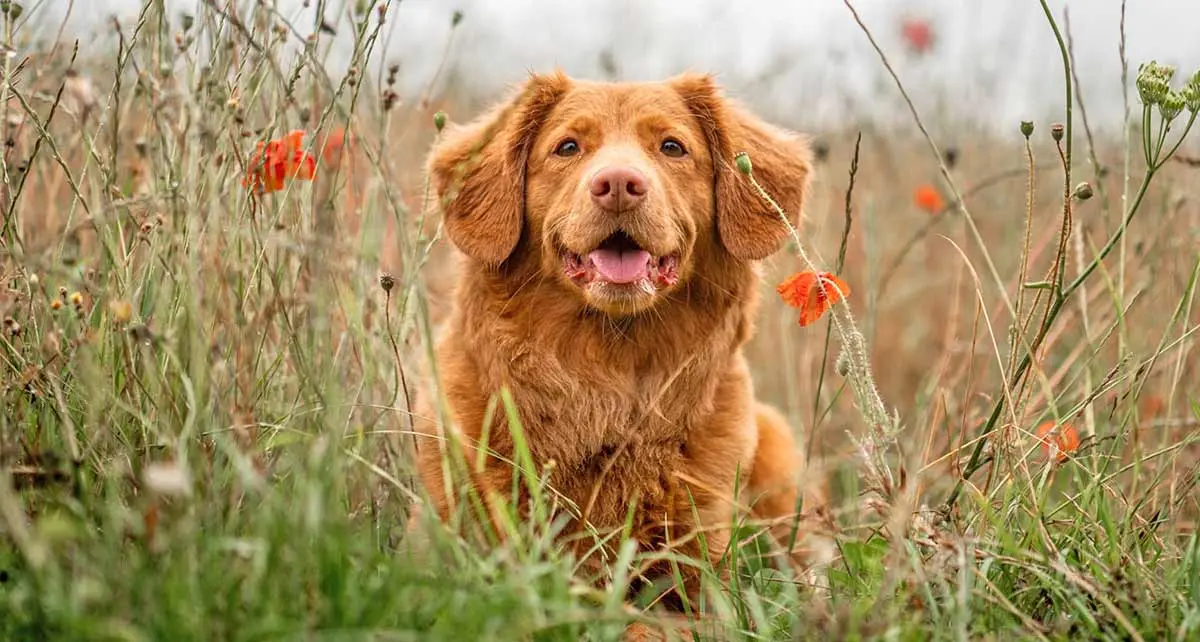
x: 621, y: 266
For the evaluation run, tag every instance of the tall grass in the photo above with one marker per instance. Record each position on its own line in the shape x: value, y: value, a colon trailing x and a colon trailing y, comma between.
x: 205, y: 430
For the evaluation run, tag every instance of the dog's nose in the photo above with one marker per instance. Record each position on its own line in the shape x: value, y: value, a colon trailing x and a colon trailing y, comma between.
x: 617, y: 189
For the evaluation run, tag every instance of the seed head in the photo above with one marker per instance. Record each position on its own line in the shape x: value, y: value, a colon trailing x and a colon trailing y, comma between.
x: 1191, y: 93
x: 15, y: 10
x: 1154, y: 82
x: 1172, y: 105
x: 387, y: 282
x: 1027, y: 128
x: 62, y: 292
x: 1083, y: 191
x: 842, y: 365
x: 439, y: 120
x: 1056, y: 131
x: 743, y: 163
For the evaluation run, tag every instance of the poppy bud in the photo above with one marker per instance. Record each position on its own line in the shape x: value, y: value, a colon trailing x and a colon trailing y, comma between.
x: 15, y: 10
x: 1027, y: 128
x: 743, y: 163
x: 456, y: 18
x: 439, y: 120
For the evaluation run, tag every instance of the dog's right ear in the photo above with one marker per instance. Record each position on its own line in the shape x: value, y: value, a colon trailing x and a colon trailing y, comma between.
x: 478, y: 170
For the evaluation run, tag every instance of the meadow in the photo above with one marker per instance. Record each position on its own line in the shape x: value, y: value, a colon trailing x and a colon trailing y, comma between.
x: 206, y: 372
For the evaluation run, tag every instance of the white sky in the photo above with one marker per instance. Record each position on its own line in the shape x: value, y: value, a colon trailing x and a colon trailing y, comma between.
x: 803, y: 62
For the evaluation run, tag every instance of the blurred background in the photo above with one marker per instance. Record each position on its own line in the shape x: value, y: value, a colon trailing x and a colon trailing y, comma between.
x: 989, y: 61
x: 933, y: 316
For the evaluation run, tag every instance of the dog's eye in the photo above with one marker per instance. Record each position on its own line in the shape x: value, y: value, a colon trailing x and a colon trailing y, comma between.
x: 672, y: 148
x: 567, y: 148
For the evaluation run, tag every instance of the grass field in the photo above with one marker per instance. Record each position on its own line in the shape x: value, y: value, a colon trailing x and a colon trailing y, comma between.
x: 204, y: 432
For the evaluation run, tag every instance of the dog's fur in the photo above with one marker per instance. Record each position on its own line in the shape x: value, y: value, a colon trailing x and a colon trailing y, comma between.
x: 635, y: 396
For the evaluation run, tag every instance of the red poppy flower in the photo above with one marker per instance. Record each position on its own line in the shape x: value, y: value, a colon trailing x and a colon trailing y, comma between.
x: 918, y: 35
x: 1058, y: 441
x: 276, y: 161
x: 801, y: 290
x: 928, y: 198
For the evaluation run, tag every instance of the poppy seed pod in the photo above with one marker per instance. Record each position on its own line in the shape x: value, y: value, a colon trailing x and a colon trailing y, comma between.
x: 1083, y: 191
x: 439, y: 120
x: 1026, y: 128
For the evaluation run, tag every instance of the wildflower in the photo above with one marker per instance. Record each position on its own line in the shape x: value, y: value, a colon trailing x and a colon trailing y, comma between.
x: 278, y: 160
x: 1058, y: 441
x: 1172, y: 105
x: 1152, y: 406
x: 121, y: 310
x: 55, y: 304
x: 928, y: 198
x: 812, y: 293
x: 1154, y: 82
x: 1191, y: 93
x: 76, y: 299
x: 334, y: 145
x: 917, y: 34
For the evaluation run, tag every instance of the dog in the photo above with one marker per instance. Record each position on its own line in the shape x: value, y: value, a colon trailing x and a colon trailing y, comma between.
x: 608, y: 282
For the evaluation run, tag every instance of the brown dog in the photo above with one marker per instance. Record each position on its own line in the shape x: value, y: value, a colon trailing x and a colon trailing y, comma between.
x: 609, y: 284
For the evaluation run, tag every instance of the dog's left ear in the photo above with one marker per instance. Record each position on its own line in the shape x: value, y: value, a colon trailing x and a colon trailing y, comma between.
x: 748, y: 227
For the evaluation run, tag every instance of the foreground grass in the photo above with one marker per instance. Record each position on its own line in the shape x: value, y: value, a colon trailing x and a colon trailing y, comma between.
x: 204, y: 429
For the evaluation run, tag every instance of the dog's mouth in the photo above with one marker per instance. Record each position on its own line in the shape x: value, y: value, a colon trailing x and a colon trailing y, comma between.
x: 620, y: 261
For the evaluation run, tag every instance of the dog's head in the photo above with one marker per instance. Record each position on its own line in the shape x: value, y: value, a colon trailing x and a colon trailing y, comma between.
x: 618, y: 192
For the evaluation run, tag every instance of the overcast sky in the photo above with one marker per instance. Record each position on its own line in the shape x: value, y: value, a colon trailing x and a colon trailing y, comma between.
x: 803, y: 61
